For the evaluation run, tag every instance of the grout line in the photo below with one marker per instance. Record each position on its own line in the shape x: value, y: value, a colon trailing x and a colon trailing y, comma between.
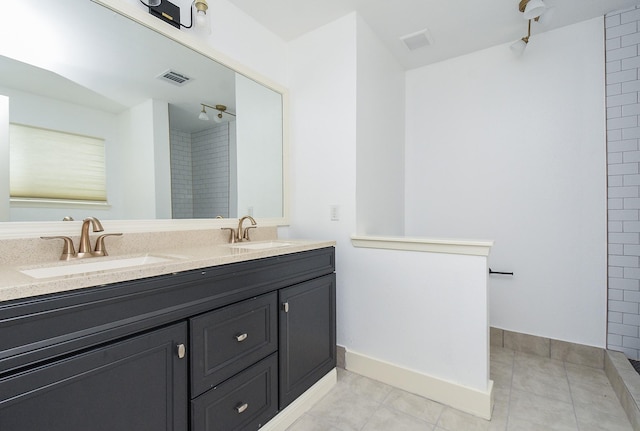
x: 573, y: 405
x: 513, y: 371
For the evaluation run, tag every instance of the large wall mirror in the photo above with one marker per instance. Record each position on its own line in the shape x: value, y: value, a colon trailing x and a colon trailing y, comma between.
x: 81, y: 68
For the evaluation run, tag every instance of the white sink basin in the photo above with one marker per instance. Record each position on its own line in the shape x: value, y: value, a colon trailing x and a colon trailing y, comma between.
x: 261, y: 245
x: 91, y: 265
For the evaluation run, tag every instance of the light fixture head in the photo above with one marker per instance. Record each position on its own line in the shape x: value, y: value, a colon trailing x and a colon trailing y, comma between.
x: 519, y: 46
x: 201, y: 6
x: 203, y: 115
x: 202, y: 21
x: 531, y: 9
x: 218, y: 117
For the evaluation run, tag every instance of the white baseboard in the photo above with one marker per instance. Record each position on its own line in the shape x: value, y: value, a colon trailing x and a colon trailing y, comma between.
x: 462, y: 398
x: 304, y: 402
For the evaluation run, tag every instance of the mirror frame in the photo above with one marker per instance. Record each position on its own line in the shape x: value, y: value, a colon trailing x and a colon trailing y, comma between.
x: 11, y: 230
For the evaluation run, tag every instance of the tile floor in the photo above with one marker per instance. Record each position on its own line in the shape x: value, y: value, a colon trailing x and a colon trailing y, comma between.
x: 531, y: 393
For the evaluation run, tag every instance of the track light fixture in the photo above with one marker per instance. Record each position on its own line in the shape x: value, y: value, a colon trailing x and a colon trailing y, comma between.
x: 519, y: 46
x: 218, y: 118
x: 532, y: 10
x: 170, y: 13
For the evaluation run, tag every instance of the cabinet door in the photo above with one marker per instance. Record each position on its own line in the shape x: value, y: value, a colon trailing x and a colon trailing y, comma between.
x: 307, y: 346
x: 137, y: 384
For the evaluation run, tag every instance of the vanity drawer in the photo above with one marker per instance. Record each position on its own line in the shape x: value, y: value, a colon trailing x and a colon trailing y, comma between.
x: 227, y: 340
x: 245, y: 402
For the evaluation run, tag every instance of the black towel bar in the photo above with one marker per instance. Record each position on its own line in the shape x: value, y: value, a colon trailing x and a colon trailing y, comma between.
x: 491, y: 271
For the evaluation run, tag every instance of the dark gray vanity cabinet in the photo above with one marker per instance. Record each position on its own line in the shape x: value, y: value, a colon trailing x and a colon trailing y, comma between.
x: 135, y: 384
x: 220, y: 348
x: 307, y: 335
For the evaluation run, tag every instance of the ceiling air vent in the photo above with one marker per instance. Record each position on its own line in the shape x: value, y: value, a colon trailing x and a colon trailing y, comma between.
x: 417, y: 40
x: 173, y: 77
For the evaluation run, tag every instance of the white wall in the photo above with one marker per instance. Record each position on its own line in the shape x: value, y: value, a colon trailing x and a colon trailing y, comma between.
x: 380, y: 136
x: 513, y: 149
x: 145, y: 134
x: 4, y: 157
x: 322, y: 79
x: 161, y: 159
x: 259, y: 158
x: 400, y: 308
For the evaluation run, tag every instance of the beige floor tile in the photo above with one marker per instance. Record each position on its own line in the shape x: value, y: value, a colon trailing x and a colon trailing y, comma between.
x: 597, y: 398
x: 310, y: 423
x: 496, y: 337
x: 551, y: 367
x: 345, y: 410
x: 594, y: 399
x: 577, y: 354
x: 386, y: 419
x: 501, y: 374
x: 502, y: 355
x: 579, y: 374
x: 531, y: 393
x: 501, y: 395
x: 590, y: 419
x: 455, y: 420
x: 517, y: 424
x: 527, y: 343
x: 540, y: 411
x: 414, y: 405
x: 541, y: 376
x: 365, y: 387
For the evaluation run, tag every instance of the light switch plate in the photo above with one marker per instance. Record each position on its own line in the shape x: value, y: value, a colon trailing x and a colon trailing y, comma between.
x: 335, y: 212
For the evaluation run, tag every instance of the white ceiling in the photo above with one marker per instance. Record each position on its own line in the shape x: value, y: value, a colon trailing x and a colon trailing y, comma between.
x: 456, y: 27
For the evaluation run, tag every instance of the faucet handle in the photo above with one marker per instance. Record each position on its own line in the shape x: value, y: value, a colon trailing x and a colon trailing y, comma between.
x: 233, y: 236
x: 100, y: 249
x: 68, y: 251
x: 245, y: 236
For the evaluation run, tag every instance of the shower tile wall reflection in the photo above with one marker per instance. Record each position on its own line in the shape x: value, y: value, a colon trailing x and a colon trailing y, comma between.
x: 200, y: 173
x: 181, y: 175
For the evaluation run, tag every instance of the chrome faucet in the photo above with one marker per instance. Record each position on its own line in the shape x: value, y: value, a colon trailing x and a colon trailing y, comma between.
x: 84, y: 247
x: 241, y: 234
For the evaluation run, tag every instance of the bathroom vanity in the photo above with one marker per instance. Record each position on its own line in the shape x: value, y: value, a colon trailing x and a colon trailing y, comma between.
x: 218, y: 347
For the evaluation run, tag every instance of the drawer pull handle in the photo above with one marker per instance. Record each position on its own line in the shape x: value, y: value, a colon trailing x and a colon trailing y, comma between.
x: 241, y: 337
x: 182, y: 350
x: 240, y: 408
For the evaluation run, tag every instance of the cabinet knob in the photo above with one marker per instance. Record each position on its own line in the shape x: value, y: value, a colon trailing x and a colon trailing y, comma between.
x: 240, y: 408
x: 182, y: 351
x: 241, y: 337
x: 285, y: 307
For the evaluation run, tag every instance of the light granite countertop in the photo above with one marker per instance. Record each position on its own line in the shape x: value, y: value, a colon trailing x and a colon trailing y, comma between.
x: 15, y: 284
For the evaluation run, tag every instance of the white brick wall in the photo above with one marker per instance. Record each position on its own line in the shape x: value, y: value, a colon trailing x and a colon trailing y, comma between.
x: 623, y: 160
x: 211, y: 172
x: 181, y: 175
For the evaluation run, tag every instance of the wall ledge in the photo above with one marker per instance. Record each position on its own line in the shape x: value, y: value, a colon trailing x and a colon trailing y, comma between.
x: 431, y: 245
